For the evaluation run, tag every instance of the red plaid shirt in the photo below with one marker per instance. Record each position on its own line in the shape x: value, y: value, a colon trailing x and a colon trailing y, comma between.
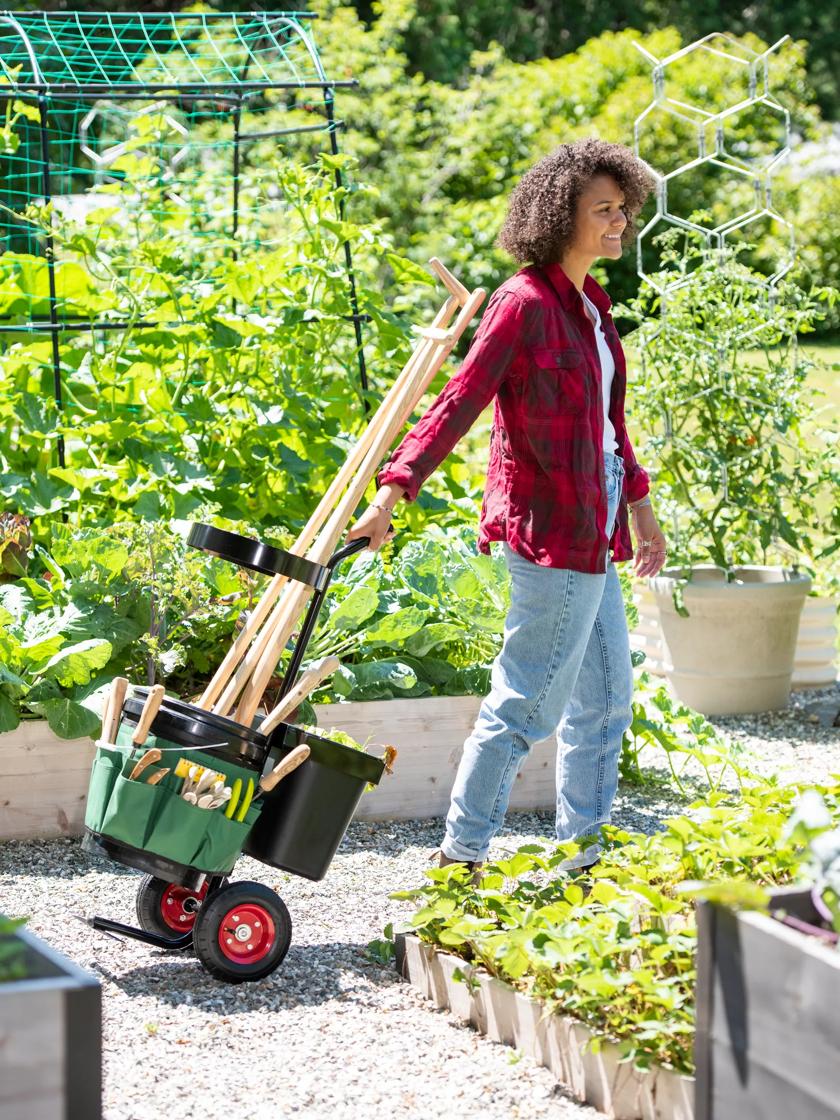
x: 535, y: 352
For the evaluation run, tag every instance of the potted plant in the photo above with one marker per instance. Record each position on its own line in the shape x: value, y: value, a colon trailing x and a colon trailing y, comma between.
x: 50, y: 1031
x: 744, y: 473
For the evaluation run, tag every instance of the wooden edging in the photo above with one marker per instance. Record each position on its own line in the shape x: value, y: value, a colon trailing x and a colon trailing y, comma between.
x: 43, y: 782
x: 557, y: 1042
x: 50, y: 1038
x: 44, y: 779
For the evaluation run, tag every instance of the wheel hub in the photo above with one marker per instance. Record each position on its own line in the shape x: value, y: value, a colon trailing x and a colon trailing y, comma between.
x: 246, y: 933
x: 179, y: 906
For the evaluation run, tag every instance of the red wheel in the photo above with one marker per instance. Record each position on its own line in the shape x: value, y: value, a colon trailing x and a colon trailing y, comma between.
x: 242, y: 932
x: 167, y: 909
x: 247, y: 933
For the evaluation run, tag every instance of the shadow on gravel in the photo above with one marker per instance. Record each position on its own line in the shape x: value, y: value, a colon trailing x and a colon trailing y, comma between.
x: 61, y: 858
x: 310, y: 975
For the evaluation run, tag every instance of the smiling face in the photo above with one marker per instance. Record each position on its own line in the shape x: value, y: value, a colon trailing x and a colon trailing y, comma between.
x: 599, y: 219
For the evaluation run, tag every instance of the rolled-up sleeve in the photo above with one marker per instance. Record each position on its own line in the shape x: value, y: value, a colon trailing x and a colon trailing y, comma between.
x: 492, y: 353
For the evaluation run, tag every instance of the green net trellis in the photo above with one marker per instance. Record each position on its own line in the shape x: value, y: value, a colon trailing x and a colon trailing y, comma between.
x: 163, y: 116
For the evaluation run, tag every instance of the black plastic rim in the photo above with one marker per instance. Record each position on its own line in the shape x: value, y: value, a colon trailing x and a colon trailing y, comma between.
x: 192, y: 726
x: 248, y: 553
x: 181, y: 874
x: 358, y: 764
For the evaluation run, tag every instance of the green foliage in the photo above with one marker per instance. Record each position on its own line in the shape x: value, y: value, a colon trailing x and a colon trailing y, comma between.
x: 126, y: 599
x: 444, y: 157
x: 243, y: 397
x: 686, y: 739
x: 12, y: 951
x: 744, y: 468
x: 620, y: 956
x: 427, y: 622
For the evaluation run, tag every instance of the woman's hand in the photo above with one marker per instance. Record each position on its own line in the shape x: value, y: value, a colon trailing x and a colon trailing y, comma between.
x: 375, y: 522
x: 651, y: 548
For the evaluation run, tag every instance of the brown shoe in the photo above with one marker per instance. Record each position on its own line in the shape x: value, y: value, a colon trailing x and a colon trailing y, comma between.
x: 474, y: 866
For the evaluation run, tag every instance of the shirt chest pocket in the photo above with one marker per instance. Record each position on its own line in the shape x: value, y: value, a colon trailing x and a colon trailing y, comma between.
x: 555, y: 381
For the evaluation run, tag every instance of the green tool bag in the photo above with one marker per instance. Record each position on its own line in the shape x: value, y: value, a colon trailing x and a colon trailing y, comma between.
x: 155, y: 818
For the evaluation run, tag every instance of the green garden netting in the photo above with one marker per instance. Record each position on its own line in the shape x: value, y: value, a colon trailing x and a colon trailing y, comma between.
x: 168, y: 121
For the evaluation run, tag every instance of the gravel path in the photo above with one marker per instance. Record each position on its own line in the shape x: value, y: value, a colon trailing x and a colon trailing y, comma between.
x: 331, y: 1034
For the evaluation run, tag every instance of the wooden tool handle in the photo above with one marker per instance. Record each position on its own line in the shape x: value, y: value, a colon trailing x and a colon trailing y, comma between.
x: 148, y: 758
x: 284, y: 767
x: 283, y: 619
x: 231, y: 676
x: 308, y: 682
x: 450, y: 282
x: 150, y: 710
x: 113, y: 709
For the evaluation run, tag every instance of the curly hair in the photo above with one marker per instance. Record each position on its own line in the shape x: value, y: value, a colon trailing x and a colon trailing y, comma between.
x: 540, y: 220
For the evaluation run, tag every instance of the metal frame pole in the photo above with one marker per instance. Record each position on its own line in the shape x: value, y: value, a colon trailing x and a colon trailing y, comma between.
x: 329, y: 100
x: 50, y: 256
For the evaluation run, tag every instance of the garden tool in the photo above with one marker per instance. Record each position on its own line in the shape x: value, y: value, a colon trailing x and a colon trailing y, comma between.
x: 284, y: 767
x: 150, y: 710
x: 148, y: 758
x: 245, y: 803
x: 261, y: 660
x: 458, y: 296
x: 234, y: 798
x: 158, y: 776
x: 307, y: 683
x: 257, y: 645
x: 113, y: 709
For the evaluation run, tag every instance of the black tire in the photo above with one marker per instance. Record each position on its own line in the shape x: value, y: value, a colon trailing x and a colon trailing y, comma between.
x: 242, y: 932
x: 166, y: 909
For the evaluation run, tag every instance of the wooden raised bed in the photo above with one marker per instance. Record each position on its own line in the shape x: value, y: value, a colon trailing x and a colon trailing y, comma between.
x: 44, y: 779
x: 50, y: 1038
x: 43, y: 782
x: 768, y: 1026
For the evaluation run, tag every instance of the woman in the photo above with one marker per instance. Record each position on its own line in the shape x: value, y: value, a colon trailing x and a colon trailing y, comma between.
x: 561, y: 476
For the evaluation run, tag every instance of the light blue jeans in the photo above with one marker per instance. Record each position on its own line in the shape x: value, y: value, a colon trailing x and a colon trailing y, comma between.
x: 564, y: 667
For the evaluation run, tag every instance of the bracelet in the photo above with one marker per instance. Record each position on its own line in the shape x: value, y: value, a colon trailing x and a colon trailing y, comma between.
x: 641, y: 502
x: 385, y: 509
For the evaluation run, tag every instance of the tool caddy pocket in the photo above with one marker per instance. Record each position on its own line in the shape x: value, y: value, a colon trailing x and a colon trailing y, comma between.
x: 103, y: 776
x: 131, y: 810
x: 155, y: 817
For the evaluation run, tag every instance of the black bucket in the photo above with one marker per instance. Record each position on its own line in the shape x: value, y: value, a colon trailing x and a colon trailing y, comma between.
x: 305, y: 817
x: 193, y: 727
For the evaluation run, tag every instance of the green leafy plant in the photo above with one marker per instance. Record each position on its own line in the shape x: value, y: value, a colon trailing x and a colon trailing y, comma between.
x: 744, y: 472
x: 12, y: 950
x: 619, y: 956
x: 663, y: 726
x: 130, y: 598
x: 427, y: 622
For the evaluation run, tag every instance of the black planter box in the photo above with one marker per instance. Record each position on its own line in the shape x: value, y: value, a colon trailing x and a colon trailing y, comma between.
x: 768, y: 1016
x: 50, y: 1039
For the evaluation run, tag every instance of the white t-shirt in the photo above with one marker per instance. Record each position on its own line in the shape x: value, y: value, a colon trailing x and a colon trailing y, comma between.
x: 607, y: 374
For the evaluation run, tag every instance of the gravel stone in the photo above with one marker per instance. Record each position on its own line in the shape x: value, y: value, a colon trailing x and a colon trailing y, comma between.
x: 331, y: 1034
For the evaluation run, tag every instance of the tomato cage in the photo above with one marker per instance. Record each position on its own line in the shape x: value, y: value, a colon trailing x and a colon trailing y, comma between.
x: 118, y: 126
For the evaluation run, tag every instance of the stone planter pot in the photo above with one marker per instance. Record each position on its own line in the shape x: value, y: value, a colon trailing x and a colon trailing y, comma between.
x: 43, y: 782
x: 734, y: 653
x: 50, y: 1038
x: 768, y: 1032
x: 815, y: 658
x: 429, y: 735
x: 557, y: 1042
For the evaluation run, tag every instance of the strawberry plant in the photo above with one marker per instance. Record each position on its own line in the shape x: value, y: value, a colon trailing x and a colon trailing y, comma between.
x: 619, y: 955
